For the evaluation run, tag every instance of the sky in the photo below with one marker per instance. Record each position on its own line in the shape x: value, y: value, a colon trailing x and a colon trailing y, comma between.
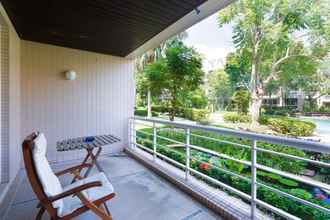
x: 212, y: 42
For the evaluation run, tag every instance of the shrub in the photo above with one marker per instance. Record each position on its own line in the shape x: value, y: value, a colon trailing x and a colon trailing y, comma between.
x: 199, y: 115
x: 199, y: 101
x: 279, y: 111
x: 241, y: 100
x: 236, y: 117
x: 264, y: 194
x: 159, y: 108
x: 144, y: 112
x: 263, y: 119
x: 324, y: 109
x: 291, y: 127
x: 288, y: 182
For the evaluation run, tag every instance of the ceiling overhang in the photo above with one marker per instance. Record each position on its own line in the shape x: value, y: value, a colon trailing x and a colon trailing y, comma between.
x: 124, y: 28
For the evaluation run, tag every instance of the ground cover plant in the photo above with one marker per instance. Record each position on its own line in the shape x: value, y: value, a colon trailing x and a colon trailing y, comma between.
x: 210, y: 165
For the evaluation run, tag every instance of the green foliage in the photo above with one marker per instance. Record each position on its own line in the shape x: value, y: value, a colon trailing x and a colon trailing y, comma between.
x: 267, y: 159
x: 234, y: 166
x: 193, y: 99
x: 144, y: 112
x: 276, y: 179
x: 238, y: 69
x: 264, y: 194
x: 280, y: 111
x: 288, y: 182
x: 199, y: 115
x: 175, y: 75
x: 220, y: 89
x: 199, y: 100
x: 324, y: 109
x: 292, y: 127
x: 159, y: 108
x: 282, y: 41
x: 241, y: 100
x: 301, y: 193
x: 236, y: 117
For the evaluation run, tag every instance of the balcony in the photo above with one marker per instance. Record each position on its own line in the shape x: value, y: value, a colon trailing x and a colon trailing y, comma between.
x: 140, y: 191
x: 176, y: 151
x: 190, y: 183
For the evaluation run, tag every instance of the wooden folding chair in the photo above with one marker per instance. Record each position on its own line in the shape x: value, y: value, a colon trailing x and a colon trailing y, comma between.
x: 67, y: 202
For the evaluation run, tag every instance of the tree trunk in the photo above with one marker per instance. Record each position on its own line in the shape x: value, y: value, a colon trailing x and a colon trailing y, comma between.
x: 281, y: 101
x: 255, y: 111
x: 172, y: 111
x: 300, y: 100
x: 270, y: 102
x: 149, y: 105
x: 256, y: 99
x: 173, y: 108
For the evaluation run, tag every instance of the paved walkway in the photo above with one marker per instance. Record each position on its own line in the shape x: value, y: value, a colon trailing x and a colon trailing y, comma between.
x: 141, y: 194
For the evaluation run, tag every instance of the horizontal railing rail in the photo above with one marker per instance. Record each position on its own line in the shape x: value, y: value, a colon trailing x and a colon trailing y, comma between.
x: 292, y: 142
x: 253, y: 148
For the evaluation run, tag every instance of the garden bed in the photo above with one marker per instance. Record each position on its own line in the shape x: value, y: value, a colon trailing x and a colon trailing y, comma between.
x: 210, y: 165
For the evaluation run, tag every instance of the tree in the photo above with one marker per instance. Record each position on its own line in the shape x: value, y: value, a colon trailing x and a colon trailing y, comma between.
x: 176, y: 74
x: 276, y: 34
x: 194, y: 99
x: 219, y: 87
x: 238, y: 69
x: 152, y: 56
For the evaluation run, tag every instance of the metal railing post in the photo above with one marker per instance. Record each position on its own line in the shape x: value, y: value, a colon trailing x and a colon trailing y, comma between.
x: 187, y: 147
x: 133, y: 133
x: 253, y: 179
x: 129, y: 133
x: 154, y: 141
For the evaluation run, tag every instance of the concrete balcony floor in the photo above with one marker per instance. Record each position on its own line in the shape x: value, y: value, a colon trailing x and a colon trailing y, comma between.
x: 141, y: 194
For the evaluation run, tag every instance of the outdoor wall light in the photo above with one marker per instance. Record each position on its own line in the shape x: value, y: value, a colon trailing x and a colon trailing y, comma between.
x: 197, y: 11
x: 70, y: 75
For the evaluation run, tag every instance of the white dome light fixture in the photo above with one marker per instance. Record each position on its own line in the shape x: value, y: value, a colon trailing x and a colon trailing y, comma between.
x: 70, y: 75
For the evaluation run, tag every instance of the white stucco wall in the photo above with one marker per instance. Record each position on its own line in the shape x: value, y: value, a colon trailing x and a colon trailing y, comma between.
x: 99, y: 101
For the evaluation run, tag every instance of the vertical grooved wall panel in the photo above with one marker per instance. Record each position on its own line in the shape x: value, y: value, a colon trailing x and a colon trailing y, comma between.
x: 10, y: 138
x: 99, y: 101
x: 4, y: 103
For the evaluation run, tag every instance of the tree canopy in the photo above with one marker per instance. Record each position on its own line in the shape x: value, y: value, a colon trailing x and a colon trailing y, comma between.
x: 179, y: 72
x: 277, y: 40
x: 220, y: 87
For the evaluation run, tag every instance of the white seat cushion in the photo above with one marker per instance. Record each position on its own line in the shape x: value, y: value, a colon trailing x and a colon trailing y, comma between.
x: 49, y: 181
x: 72, y: 203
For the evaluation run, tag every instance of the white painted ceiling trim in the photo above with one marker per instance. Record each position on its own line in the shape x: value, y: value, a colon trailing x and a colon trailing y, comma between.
x: 208, y: 8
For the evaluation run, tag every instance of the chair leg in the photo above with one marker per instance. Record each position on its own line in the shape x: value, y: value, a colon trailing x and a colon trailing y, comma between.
x: 98, y: 211
x: 106, y: 208
x: 40, y: 213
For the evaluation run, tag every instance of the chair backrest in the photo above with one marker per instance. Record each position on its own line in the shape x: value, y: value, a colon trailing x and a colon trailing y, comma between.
x: 42, y: 178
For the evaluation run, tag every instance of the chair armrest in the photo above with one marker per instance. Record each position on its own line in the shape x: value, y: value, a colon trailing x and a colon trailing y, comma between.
x: 73, y: 169
x: 75, y: 190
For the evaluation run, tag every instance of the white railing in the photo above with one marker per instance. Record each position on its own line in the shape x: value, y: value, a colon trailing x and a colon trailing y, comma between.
x: 255, y: 138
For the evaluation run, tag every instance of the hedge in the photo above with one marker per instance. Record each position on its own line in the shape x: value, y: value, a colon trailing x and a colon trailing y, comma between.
x: 199, y: 115
x: 282, y: 125
x: 279, y: 111
x: 264, y: 194
x: 292, y: 127
x: 159, y: 108
x: 144, y: 112
x: 236, y: 117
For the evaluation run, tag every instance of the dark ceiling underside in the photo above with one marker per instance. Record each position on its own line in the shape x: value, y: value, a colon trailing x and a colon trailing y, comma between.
x: 115, y: 27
